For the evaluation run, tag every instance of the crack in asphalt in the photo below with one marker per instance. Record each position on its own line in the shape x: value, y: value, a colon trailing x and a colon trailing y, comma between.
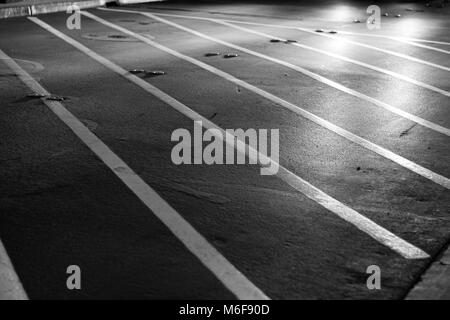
x: 407, y: 131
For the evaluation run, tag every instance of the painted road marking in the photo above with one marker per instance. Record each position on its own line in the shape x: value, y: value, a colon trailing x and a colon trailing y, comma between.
x: 411, y: 41
x: 364, y: 224
x: 400, y: 55
x: 227, y: 274
x: 424, y: 172
x: 317, y: 77
x: 10, y: 286
x: 434, y: 283
x: 334, y: 55
x: 286, y: 27
x: 337, y: 56
x: 402, y: 40
x: 393, y: 53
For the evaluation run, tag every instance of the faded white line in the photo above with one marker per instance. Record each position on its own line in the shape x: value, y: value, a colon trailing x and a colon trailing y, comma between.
x: 337, y: 56
x: 10, y: 286
x: 400, y: 55
x: 364, y: 224
x: 317, y: 77
x: 225, y: 272
x: 435, y: 177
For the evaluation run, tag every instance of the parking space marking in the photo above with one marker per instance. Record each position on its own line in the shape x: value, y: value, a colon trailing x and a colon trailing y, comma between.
x: 368, y: 46
x: 364, y: 224
x: 317, y: 77
x: 288, y: 27
x: 337, y: 56
x: 411, y: 41
x: 400, y: 55
x: 11, y: 287
x: 412, y: 44
x: 424, y: 172
x: 225, y: 272
x: 435, y: 177
x: 334, y: 55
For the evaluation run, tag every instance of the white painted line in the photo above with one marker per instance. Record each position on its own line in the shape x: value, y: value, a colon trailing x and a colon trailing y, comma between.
x: 367, y: 46
x: 422, y: 46
x: 230, y: 277
x: 364, y: 224
x: 435, y: 177
x: 317, y: 77
x: 362, y: 64
x: 401, y: 39
x: 400, y: 55
x: 10, y: 286
x: 390, y: 52
x: 312, y: 75
x: 408, y: 40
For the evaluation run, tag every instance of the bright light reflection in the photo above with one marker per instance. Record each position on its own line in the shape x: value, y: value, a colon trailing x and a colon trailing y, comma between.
x: 409, y: 27
x: 340, y: 13
x: 399, y: 93
x: 336, y: 46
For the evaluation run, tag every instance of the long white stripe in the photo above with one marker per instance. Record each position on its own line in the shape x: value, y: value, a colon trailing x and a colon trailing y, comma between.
x: 231, y: 278
x: 417, y: 45
x: 10, y: 286
x: 317, y: 77
x: 362, y: 64
x: 400, y: 55
x: 422, y: 46
x: 411, y: 41
x: 364, y: 45
x: 435, y: 177
x: 364, y: 224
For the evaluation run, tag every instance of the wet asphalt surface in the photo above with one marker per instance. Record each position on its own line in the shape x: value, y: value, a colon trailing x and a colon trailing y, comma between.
x: 60, y: 205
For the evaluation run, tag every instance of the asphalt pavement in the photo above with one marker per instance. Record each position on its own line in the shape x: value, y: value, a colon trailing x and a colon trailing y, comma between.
x: 363, y: 118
